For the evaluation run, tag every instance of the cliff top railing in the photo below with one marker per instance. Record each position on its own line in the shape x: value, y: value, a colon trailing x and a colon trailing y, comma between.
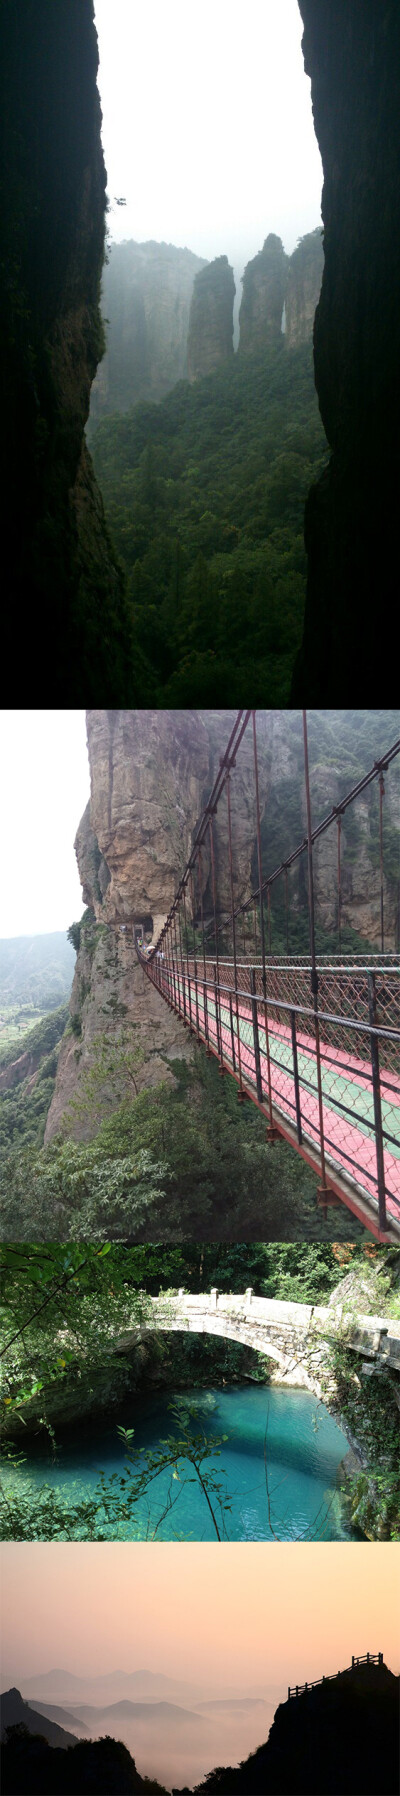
x: 368, y: 1659
x: 313, y: 1041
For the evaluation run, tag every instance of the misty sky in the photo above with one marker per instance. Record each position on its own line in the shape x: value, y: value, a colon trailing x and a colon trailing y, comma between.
x: 236, y: 1614
x: 44, y: 790
x: 207, y: 124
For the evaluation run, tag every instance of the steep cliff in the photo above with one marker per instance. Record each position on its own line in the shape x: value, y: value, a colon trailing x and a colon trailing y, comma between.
x: 352, y: 54
x: 210, y: 338
x: 60, y: 568
x: 303, y: 287
x: 149, y: 775
x: 146, y: 295
x: 264, y: 286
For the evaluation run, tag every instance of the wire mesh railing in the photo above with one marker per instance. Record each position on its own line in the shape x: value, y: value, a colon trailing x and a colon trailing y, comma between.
x: 270, y: 1046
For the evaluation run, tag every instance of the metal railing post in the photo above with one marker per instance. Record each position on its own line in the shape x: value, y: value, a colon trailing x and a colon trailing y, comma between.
x: 182, y: 966
x: 271, y: 1131
x: 381, y: 796
x: 323, y: 1190
x: 187, y: 963
x: 376, y: 1087
x: 256, y: 1034
x: 232, y: 1032
x: 217, y: 1016
x: 241, y: 1093
x: 339, y: 830
x: 296, y: 1076
x: 195, y: 961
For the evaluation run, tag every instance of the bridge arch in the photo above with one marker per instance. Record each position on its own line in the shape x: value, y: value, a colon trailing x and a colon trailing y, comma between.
x: 222, y: 1330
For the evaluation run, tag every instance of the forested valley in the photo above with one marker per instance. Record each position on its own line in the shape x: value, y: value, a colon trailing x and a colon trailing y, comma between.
x: 204, y: 498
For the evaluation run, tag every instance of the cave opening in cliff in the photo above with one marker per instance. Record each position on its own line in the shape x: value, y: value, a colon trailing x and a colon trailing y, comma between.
x: 143, y: 927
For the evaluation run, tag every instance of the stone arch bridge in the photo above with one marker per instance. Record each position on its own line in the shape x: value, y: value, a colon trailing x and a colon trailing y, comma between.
x: 295, y: 1335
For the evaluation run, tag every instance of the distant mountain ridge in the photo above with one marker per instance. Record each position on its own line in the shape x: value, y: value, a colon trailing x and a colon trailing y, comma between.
x: 141, y: 1685
x: 15, y: 1712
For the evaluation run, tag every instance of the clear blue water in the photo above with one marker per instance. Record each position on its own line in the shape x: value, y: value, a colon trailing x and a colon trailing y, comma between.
x: 304, y: 1447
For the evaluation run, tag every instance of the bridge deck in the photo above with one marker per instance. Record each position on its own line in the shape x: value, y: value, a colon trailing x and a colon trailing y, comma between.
x: 271, y: 1051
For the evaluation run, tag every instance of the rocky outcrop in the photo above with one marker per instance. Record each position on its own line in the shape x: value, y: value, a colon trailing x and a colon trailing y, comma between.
x: 57, y: 561
x: 352, y: 56
x: 337, y: 1735
x: 264, y: 287
x: 303, y: 287
x: 151, y: 773
x: 17, y: 1713
x: 210, y: 339
x: 146, y: 296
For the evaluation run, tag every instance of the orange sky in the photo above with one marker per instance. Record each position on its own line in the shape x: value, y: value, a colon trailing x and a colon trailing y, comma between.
x: 239, y: 1613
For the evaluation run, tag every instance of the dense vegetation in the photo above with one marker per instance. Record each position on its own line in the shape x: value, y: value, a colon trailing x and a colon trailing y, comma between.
x: 36, y: 974
x: 30, y: 1767
x: 373, y: 1493
x: 204, y: 498
x: 172, y: 1164
x: 24, y: 1106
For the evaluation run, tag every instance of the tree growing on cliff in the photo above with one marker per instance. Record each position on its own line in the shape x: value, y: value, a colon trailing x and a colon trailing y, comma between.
x: 113, y: 1074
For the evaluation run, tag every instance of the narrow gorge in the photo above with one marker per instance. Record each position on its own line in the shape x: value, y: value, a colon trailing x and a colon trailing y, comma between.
x: 57, y: 547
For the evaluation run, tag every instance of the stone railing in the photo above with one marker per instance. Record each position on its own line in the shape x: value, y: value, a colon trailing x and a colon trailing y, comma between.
x: 271, y: 1326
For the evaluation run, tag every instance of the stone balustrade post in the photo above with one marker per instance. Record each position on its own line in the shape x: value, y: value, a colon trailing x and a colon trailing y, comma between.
x: 213, y: 1298
x: 248, y: 1296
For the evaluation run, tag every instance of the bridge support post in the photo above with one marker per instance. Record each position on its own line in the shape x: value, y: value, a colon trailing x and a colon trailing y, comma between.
x: 296, y: 1076
x: 376, y: 1087
x: 256, y: 1038
x: 232, y: 1032
x: 217, y: 1019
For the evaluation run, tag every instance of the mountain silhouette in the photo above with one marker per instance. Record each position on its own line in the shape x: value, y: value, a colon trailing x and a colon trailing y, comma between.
x: 339, y: 1737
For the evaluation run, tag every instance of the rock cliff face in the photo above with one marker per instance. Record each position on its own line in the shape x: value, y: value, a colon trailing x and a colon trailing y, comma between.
x: 146, y: 295
x: 61, y: 571
x: 303, y: 287
x: 264, y: 287
x: 210, y: 339
x: 352, y: 54
x: 151, y: 773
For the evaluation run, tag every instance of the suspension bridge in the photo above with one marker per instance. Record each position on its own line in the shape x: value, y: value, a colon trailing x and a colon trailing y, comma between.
x: 311, y: 1038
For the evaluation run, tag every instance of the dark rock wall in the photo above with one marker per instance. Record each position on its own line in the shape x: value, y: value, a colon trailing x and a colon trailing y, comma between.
x: 352, y: 53
x: 264, y: 285
x: 75, y: 637
x: 210, y: 340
